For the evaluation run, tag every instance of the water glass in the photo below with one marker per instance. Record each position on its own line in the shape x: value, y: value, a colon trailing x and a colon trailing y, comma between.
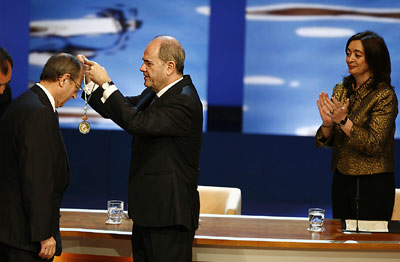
x: 316, y: 218
x: 115, y: 210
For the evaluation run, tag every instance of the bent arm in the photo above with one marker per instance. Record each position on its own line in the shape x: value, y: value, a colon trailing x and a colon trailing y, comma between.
x: 172, y: 117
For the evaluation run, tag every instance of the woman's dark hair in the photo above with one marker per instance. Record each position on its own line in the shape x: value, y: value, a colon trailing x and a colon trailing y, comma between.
x: 376, y: 55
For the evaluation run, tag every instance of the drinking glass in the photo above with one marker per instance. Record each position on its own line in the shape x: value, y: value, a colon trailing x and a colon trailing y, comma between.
x: 115, y: 210
x: 316, y: 218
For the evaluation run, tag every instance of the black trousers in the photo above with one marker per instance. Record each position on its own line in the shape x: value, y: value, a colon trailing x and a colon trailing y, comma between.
x: 373, y: 194
x: 162, y: 244
x: 12, y: 254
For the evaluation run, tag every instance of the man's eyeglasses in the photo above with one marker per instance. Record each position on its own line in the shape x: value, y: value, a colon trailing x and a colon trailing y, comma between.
x: 76, y: 84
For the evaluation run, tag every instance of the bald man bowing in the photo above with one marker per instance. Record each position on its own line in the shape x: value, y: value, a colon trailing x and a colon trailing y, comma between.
x: 165, y: 122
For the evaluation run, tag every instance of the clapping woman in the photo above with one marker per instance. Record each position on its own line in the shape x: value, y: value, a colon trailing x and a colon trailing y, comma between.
x: 358, y: 122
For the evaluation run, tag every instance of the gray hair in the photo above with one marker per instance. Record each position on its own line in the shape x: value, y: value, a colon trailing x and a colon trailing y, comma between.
x: 172, y: 50
x: 59, y: 65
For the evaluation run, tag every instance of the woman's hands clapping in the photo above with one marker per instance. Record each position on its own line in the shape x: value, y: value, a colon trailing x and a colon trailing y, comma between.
x: 330, y: 110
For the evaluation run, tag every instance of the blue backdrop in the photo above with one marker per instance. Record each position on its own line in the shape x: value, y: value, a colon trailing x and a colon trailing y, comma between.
x: 278, y: 174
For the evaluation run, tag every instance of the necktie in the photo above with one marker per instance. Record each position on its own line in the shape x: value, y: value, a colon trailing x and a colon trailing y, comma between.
x: 155, y: 97
x: 58, y: 120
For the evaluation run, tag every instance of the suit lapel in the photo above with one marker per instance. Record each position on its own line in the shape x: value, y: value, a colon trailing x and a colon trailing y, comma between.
x: 149, y: 96
x: 177, y: 87
x: 145, y: 99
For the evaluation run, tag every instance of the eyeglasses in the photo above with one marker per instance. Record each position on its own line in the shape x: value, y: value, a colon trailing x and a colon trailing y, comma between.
x: 76, y: 84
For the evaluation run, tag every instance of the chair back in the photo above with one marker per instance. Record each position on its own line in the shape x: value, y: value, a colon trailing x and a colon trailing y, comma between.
x: 396, y: 207
x: 220, y: 200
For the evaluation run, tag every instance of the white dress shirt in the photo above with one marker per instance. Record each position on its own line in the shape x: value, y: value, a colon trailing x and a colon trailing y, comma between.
x: 51, y: 98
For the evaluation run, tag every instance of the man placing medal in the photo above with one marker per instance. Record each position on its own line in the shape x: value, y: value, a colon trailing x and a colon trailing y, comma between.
x: 165, y: 122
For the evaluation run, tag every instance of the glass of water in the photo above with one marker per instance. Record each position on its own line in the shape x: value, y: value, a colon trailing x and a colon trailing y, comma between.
x: 115, y: 209
x: 316, y: 218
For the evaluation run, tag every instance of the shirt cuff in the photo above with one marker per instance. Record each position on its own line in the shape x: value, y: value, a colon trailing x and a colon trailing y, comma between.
x: 108, y: 92
x: 90, y: 87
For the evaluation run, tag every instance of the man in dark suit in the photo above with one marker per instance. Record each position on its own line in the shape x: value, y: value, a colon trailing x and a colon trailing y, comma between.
x: 34, y: 168
x: 6, y: 66
x: 166, y: 124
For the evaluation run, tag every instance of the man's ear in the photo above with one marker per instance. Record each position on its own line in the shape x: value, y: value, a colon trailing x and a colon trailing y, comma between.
x: 63, y: 78
x: 171, y: 67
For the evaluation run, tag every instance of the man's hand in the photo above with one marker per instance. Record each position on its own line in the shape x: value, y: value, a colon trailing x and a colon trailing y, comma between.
x: 48, y: 248
x: 82, y: 59
x: 97, y: 73
x: 93, y: 71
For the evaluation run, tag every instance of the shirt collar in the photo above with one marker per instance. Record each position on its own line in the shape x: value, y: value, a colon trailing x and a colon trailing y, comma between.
x: 165, y: 89
x: 364, y: 89
x: 52, y: 101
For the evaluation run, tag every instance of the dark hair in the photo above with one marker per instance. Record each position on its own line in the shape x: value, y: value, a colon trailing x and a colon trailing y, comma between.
x: 376, y: 55
x: 4, y: 57
x: 61, y: 64
x: 172, y: 50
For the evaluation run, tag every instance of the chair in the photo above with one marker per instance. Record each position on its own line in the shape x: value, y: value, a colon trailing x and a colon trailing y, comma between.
x: 396, y: 208
x: 220, y: 200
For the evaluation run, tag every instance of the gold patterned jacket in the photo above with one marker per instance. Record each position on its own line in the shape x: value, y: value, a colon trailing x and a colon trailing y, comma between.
x: 370, y: 147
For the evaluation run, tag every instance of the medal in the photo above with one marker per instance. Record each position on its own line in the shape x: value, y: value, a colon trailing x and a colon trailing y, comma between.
x: 84, y: 127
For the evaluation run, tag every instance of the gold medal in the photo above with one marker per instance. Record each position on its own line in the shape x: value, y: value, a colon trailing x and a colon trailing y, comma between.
x: 84, y: 127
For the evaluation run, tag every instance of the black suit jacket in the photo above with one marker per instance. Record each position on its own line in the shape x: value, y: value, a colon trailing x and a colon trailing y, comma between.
x: 166, y: 146
x: 34, y: 172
